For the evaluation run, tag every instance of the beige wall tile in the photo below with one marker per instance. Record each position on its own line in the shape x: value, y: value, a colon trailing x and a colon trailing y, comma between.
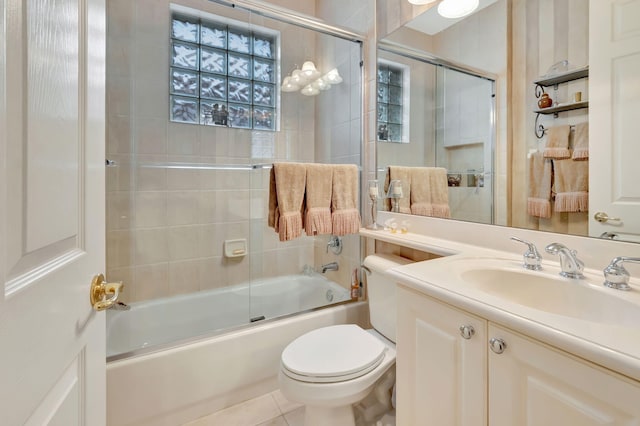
x: 151, y: 209
x: 120, y: 248
x: 184, y: 277
x: 152, y: 281
x: 183, y: 208
x: 183, y: 242
x: 151, y: 246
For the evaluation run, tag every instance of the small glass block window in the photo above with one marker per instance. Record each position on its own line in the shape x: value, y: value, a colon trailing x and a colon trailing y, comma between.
x: 213, y: 60
x: 389, y: 103
x: 222, y: 74
x: 184, y: 110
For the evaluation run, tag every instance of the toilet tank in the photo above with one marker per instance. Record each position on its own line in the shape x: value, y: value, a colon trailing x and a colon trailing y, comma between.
x: 381, y: 290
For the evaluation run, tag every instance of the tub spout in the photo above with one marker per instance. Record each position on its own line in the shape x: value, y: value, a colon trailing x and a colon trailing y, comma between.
x: 333, y: 266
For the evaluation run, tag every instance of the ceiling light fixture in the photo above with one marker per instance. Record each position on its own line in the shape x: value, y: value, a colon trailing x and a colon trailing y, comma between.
x: 309, y: 81
x: 454, y: 9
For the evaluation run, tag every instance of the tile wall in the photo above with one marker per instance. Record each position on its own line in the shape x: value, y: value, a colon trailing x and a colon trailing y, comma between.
x: 166, y: 226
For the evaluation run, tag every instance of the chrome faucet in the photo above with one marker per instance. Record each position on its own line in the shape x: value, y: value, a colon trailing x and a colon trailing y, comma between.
x: 615, y: 274
x: 333, y: 266
x: 532, y: 259
x: 570, y: 265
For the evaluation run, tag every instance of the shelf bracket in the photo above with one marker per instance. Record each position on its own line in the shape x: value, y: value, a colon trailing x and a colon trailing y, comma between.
x: 539, y: 91
x: 539, y: 128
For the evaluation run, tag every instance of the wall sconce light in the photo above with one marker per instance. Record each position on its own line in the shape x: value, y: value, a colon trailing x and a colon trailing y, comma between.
x: 454, y: 9
x: 308, y: 80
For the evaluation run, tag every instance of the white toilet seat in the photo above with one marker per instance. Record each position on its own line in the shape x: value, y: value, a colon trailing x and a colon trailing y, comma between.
x: 332, y: 354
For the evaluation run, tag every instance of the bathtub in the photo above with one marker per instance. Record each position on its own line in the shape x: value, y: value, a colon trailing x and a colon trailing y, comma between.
x: 174, y: 360
x: 154, y: 323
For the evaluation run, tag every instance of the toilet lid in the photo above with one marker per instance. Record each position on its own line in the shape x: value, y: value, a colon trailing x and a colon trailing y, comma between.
x: 335, y: 353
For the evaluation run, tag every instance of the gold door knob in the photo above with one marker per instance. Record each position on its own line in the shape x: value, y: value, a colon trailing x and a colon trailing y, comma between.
x: 104, y: 295
x: 603, y: 217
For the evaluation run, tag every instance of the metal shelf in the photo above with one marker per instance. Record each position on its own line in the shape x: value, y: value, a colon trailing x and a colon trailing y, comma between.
x: 563, y: 78
x: 561, y: 108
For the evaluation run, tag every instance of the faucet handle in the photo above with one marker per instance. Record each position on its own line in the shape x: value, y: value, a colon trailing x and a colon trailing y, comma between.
x: 531, y: 258
x: 615, y: 274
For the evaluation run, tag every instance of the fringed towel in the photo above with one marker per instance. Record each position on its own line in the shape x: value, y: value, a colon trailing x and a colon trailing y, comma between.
x: 318, y: 199
x: 557, y: 145
x: 402, y: 174
x: 345, y: 216
x: 429, y: 192
x: 571, y: 185
x: 290, y: 180
x: 581, y: 142
x: 274, y: 212
x: 539, y: 200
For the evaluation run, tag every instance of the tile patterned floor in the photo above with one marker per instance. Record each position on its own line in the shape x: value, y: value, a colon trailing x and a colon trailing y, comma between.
x: 271, y: 409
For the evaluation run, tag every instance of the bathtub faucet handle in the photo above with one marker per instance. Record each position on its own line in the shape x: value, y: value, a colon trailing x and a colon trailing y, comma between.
x: 335, y: 244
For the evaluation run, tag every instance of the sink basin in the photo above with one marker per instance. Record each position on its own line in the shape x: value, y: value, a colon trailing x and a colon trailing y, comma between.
x: 548, y: 292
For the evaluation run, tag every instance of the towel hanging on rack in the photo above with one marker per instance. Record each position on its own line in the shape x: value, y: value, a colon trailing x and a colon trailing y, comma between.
x: 581, y: 142
x: 557, y: 145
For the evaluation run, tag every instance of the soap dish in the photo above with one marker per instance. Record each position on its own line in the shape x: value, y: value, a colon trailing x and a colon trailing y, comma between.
x: 235, y: 248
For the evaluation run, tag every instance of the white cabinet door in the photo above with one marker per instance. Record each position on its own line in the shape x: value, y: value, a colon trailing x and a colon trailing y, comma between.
x: 441, y: 376
x: 614, y: 90
x: 531, y: 384
x: 52, y: 348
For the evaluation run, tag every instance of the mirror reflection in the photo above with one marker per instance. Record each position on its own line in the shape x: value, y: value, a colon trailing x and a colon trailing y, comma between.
x: 496, y: 152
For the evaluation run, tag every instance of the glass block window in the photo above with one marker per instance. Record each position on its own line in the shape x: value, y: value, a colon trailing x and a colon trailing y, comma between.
x: 390, y: 103
x: 222, y: 75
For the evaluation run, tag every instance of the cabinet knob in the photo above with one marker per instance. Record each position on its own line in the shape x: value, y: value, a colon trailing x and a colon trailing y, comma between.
x: 497, y: 345
x: 467, y: 331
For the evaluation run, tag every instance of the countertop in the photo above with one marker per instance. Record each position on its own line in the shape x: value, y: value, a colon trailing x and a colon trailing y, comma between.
x: 615, y: 346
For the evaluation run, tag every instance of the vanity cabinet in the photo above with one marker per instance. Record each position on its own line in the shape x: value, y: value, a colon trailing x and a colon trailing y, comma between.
x: 441, y: 365
x: 447, y: 376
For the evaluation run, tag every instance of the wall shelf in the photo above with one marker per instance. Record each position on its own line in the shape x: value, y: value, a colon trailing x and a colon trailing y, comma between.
x: 554, y: 81
x: 563, y: 78
x: 563, y: 107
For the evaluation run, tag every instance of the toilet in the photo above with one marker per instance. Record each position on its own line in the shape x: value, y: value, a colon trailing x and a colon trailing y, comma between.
x: 332, y: 368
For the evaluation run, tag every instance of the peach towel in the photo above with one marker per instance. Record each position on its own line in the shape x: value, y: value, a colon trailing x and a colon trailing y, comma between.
x: 430, y: 192
x: 571, y: 185
x: 581, y: 142
x: 557, y: 145
x: 345, y: 216
x: 290, y: 180
x: 318, y: 199
x: 539, y: 200
x: 402, y: 174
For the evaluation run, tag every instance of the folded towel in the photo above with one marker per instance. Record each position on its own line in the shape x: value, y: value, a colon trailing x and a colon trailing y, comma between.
x: 538, y: 202
x: 318, y: 199
x: 290, y: 180
x: 430, y: 192
x: 571, y: 185
x: 581, y: 142
x: 274, y: 212
x: 557, y: 145
x: 402, y: 174
x: 345, y: 216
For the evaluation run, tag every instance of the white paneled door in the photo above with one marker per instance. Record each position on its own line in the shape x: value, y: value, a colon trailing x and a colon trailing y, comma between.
x: 614, y: 127
x: 52, y: 97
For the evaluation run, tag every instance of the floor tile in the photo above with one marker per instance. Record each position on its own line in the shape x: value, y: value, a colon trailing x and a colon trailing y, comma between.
x: 249, y: 413
x: 283, y: 403
x: 295, y: 417
x: 278, y: 421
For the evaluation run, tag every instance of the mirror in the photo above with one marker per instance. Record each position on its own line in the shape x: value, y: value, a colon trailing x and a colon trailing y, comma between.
x: 518, y: 42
